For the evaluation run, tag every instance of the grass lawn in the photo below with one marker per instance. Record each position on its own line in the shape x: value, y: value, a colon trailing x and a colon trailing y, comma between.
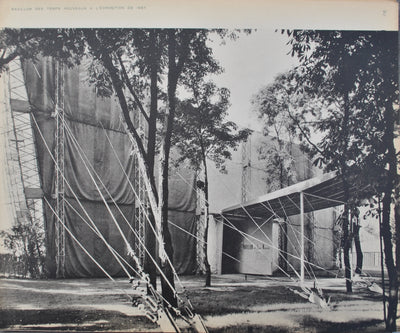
x: 234, y: 303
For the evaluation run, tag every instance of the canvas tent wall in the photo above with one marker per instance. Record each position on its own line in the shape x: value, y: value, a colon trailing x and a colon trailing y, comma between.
x: 91, y: 119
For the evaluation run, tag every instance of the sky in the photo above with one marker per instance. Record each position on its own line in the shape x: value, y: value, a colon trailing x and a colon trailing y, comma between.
x: 251, y: 62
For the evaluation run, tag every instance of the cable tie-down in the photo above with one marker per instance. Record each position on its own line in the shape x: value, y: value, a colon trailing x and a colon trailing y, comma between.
x: 189, y: 312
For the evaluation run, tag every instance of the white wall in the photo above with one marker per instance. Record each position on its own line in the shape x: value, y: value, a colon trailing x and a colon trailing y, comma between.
x: 214, y: 249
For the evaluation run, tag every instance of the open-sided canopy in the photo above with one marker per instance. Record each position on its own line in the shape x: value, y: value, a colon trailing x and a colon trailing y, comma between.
x: 319, y: 193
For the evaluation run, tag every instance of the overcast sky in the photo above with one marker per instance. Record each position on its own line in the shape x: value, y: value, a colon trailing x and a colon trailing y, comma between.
x: 251, y: 62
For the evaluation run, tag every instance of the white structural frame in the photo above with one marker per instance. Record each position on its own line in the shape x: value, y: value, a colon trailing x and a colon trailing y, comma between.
x: 22, y: 171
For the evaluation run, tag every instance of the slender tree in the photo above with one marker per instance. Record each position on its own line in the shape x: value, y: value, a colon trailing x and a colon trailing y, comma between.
x: 270, y: 103
x: 202, y: 134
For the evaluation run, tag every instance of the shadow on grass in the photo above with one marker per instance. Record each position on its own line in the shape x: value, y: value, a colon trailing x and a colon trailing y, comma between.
x: 322, y: 326
x: 214, y: 302
x: 310, y: 325
x: 67, y: 319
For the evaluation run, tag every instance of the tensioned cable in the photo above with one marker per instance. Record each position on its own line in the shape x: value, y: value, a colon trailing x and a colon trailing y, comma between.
x: 313, y: 209
x: 116, y: 205
x: 232, y: 226
x: 131, y: 251
x: 140, y: 203
x: 145, y: 212
x: 324, y: 198
x: 298, y: 241
x: 184, y: 289
x: 313, y: 220
x: 201, y: 240
x: 266, y: 236
x: 247, y: 236
x: 260, y: 241
x: 74, y: 194
x: 308, y: 217
x: 271, y: 244
x: 280, y: 252
x: 262, y: 224
x: 143, y: 207
x: 125, y: 219
x: 137, y: 236
x: 310, y: 263
x: 243, y: 233
x: 77, y: 241
x: 268, y: 244
x: 84, y: 249
x: 88, y: 224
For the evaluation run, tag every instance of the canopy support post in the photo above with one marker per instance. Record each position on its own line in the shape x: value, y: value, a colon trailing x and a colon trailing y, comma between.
x: 301, y: 237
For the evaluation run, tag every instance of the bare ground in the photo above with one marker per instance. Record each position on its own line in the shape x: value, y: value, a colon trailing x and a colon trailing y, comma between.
x: 234, y: 303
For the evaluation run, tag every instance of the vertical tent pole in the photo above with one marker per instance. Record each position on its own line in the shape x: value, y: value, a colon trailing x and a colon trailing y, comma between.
x: 301, y: 237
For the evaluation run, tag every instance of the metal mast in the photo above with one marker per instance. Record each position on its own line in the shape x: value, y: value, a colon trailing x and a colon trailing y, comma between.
x: 246, y: 169
x: 141, y: 204
x: 59, y: 169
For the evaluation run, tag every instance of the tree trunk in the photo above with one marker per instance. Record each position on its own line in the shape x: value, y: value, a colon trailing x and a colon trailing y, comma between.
x: 167, y: 282
x: 206, y: 223
x: 357, y: 244
x: 386, y: 228
x: 391, y: 269
x: 150, y: 237
x: 346, y: 249
x: 397, y: 223
x: 148, y: 175
x: 346, y: 193
x: 283, y: 259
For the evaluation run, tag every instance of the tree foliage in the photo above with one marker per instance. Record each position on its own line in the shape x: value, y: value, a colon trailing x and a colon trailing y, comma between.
x: 201, y: 131
x: 356, y: 74
x: 26, y: 242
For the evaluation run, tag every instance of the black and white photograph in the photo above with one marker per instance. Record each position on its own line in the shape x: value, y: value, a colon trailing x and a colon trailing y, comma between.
x: 198, y: 179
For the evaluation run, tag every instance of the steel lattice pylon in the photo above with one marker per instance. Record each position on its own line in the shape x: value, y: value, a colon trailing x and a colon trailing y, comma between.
x: 141, y: 203
x: 59, y: 183
x: 246, y: 169
x: 24, y: 187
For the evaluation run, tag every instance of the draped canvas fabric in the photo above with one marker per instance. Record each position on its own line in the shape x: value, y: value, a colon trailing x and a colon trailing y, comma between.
x: 182, y: 212
x: 91, y: 122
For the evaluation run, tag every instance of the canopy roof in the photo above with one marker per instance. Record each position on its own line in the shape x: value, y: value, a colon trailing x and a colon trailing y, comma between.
x: 319, y: 193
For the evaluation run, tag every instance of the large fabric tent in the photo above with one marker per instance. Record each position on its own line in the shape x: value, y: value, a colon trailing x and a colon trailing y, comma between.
x: 94, y: 122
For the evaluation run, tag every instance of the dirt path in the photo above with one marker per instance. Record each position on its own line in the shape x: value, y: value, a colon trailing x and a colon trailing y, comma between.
x: 233, y: 304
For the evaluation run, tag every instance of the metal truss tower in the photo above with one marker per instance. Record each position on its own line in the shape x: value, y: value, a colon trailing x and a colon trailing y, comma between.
x: 141, y: 205
x: 25, y: 193
x: 59, y: 184
x: 246, y: 169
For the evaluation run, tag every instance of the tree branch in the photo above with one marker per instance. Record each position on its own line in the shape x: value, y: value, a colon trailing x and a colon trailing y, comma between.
x: 6, y: 60
x: 296, y: 122
x: 183, y: 52
x: 128, y: 84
